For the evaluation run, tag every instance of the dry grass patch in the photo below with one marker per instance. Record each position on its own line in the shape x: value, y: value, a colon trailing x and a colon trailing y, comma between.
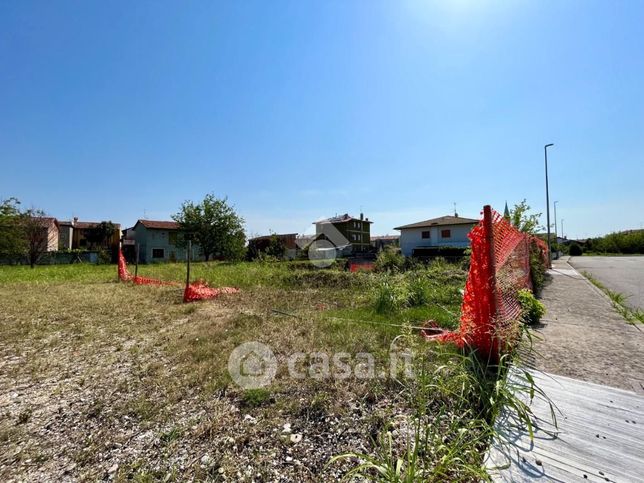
x: 101, y: 379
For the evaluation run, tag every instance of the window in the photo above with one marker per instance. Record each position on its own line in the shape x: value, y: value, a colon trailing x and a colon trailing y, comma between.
x: 446, y: 233
x: 425, y: 234
x: 158, y: 253
x: 172, y: 237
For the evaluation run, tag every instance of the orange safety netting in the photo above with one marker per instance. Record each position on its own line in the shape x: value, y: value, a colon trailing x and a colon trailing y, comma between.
x: 193, y: 292
x: 499, y: 267
x: 361, y: 266
x: 201, y: 291
x: 125, y: 276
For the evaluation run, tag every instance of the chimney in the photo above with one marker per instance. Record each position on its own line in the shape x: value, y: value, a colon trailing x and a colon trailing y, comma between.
x: 361, y: 216
x: 74, y: 221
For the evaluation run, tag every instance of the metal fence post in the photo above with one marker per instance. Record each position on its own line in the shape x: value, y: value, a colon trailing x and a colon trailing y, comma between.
x: 188, y: 257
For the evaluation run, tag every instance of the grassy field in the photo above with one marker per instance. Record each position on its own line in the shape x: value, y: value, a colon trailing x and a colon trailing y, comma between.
x: 105, y: 379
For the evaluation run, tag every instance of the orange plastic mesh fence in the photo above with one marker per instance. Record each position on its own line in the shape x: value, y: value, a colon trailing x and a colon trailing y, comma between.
x: 193, y: 292
x: 499, y: 267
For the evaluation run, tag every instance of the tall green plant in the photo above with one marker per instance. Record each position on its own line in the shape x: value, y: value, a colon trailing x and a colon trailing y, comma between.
x: 523, y: 220
x: 215, y: 226
x: 457, y: 399
x: 12, y: 240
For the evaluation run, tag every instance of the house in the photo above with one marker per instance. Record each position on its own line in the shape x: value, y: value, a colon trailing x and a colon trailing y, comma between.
x: 381, y: 242
x: 262, y: 244
x: 48, y: 238
x: 429, y: 237
x: 73, y: 235
x: 158, y: 241
x: 349, y: 234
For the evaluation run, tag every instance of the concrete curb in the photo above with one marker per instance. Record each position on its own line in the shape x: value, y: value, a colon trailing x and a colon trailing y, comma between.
x: 594, y: 287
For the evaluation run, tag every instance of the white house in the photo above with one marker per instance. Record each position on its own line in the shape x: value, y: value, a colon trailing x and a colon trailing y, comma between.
x: 426, y: 237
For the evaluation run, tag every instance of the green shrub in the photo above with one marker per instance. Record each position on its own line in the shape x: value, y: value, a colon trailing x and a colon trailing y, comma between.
x: 104, y: 257
x: 253, y: 398
x: 531, y: 309
x: 575, y: 250
x: 537, y: 268
x: 390, y: 260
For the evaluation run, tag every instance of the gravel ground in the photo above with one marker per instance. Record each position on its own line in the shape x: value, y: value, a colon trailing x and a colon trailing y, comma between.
x: 92, y: 389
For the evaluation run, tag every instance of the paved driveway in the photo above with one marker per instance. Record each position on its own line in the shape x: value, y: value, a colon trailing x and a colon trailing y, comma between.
x: 621, y: 274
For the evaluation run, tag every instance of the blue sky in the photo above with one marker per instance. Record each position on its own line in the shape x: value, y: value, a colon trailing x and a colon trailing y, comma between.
x: 299, y: 110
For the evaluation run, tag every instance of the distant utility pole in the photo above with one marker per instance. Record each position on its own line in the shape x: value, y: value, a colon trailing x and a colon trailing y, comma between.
x: 562, y: 232
x: 545, y: 152
x: 555, y: 205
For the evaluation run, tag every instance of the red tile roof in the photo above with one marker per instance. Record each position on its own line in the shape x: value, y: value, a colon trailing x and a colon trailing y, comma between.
x: 159, y: 225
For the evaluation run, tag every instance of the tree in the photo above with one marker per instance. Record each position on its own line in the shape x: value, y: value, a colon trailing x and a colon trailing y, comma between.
x: 523, y: 220
x: 276, y: 247
x: 100, y: 234
x: 35, y: 229
x: 24, y: 233
x: 215, y: 226
x: 12, y: 241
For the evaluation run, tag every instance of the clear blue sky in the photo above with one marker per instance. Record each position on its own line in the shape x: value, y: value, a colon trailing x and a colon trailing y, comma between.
x: 298, y: 110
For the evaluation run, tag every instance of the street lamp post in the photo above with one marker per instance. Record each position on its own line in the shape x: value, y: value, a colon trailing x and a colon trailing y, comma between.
x: 545, y: 152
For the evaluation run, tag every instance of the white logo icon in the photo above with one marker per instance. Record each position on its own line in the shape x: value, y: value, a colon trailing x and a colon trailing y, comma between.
x: 252, y: 365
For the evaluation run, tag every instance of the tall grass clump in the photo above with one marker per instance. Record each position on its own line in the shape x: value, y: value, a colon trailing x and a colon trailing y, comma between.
x: 418, y: 290
x: 456, y: 398
x: 390, y: 295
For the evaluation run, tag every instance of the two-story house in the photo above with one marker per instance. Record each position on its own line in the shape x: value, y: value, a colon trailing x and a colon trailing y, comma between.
x: 73, y: 235
x: 157, y: 242
x: 349, y: 234
x: 426, y: 238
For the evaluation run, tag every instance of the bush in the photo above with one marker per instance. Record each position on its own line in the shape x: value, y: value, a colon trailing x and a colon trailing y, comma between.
x: 575, y: 250
x: 104, y: 257
x: 537, y: 268
x: 531, y: 309
x: 389, y: 260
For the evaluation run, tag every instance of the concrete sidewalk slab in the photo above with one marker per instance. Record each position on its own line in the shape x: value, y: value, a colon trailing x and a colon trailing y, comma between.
x: 583, y: 337
x: 599, y: 436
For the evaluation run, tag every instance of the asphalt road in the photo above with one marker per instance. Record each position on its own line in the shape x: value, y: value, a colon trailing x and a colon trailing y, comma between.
x: 621, y: 274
